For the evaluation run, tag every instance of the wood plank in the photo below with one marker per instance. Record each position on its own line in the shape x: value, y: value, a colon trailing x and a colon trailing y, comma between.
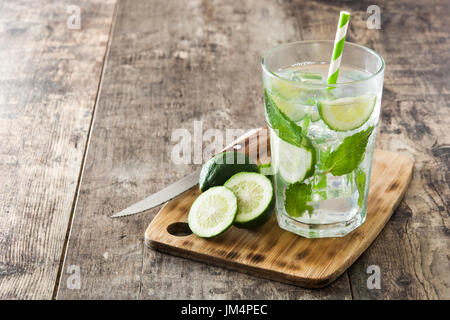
x: 321, y: 260
x: 48, y: 84
x: 413, y: 250
x: 414, y: 260
x: 170, y: 63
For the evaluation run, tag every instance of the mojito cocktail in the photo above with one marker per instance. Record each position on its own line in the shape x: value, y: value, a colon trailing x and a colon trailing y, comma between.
x: 322, y: 136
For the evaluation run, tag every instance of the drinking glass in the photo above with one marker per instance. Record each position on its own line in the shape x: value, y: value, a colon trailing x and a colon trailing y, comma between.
x: 322, y: 135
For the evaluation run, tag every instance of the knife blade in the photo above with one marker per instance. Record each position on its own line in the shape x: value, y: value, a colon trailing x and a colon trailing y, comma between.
x: 191, y: 180
x: 161, y: 196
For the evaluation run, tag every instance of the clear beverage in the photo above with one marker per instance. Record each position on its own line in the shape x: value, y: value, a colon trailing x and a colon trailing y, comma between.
x: 321, y: 171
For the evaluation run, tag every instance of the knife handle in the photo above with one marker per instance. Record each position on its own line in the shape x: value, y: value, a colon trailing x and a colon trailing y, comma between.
x: 255, y: 144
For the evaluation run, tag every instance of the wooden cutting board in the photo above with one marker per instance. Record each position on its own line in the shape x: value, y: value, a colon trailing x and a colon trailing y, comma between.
x: 271, y: 252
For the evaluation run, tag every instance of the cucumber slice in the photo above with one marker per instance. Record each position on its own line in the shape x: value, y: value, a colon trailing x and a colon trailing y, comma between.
x: 213, y: 212
x: 254, y: 192
x: 294, y: 163
x: 347, y: 113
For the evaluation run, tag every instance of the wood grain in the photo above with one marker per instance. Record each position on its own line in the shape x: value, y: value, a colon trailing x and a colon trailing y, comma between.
x: 414, y: 249
x: 170, y: 63
x: 49, y: 78
x: 273, y: 253
x: 175, y: 62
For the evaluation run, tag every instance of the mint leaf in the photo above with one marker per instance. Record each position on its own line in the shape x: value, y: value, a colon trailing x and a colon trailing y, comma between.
x: 305, y: 124
x: 324, y: 155
x: 321, y: 182
x: 349, y: 154
x: 320, y: 185
x: 284, y: 127
x: 297, y: 197
x: 360, y: 181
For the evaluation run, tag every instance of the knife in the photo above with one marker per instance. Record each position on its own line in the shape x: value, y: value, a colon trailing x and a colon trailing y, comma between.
x: 161, y: 196
x: 187, y: 182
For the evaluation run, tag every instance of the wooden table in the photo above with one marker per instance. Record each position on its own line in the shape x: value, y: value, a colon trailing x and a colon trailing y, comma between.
x: 86, y: 118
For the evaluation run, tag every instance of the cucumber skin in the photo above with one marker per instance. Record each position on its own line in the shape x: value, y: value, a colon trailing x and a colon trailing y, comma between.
x: 215, y: 235
x: 263, y: 217
x: 216, y: 174
x: 309, y: 146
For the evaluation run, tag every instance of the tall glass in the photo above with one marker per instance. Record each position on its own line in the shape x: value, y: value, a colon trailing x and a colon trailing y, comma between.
x: 322, y: 136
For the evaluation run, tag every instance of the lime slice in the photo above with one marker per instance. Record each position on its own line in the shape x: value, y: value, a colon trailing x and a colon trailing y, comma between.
x: 213, y: 212
x: 347, y: 113
x: 285, y: 89
x: 293, y: 163
x: 293, y: 111
x: 255, y: 198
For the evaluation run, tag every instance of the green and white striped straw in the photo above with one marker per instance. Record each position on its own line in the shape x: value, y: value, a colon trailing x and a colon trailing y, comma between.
x: 339, y: 41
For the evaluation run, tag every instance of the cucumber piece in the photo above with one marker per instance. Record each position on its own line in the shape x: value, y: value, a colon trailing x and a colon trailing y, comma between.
x: 293, y: 163
x: 213, y: 212
x: 265, y: 169
x: 220, y: 168
x: 254, y: 192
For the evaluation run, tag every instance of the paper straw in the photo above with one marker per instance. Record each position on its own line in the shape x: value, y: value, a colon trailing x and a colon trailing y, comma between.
x: 339, y: 41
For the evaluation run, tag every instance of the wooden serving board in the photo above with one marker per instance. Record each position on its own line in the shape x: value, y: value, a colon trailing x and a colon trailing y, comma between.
x: 273, y: 253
